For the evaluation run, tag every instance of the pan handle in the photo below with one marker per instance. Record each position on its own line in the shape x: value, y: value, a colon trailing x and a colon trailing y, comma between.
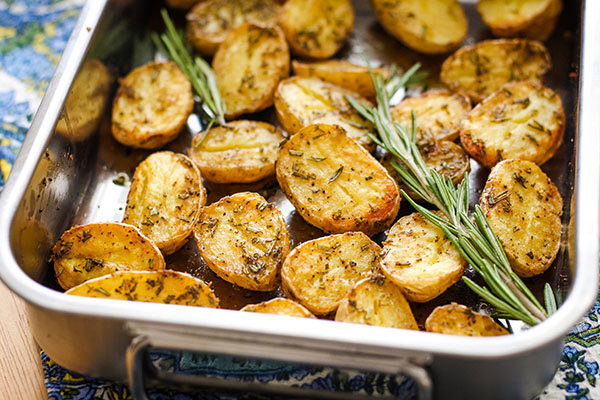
x: 140, y: 370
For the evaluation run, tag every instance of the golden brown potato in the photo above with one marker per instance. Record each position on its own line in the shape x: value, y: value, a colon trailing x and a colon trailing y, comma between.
x: 456, y: 319
x: 341, y: 73
x: 89, y: 251
x: 427, y: 26
x: 210, y: 21
x: 523, y: 120
x: 479, y: 70
x: 438, y: 114
x: 151, y: 106
x: 524, y: 209
x: 244, y: 240
x: 334, y: 183
x: 165, y: 286
x: 376, y: 301
x: 86, y: 101
x: 239, y: 152
x: 182, y: 4
x: 316, y: 28
x: 304, y: 101
x: 320, y: 273
x: 248, y: 67
x: 280, y: 306
x: 165, y: 199
x: 420, y: 259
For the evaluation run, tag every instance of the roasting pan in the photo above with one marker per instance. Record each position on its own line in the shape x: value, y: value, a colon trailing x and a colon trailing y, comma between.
x: 56, y: 183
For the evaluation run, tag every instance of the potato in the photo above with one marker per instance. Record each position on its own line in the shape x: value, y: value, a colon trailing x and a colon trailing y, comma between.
x: 427, y: 26
x: 248, y: 67
x: 151, y: 106
x: 316, y: 28
x: 165, y: 286
x: 182, y: 4
x: 239, y: 152
x: 341, y: 73
x: 524, y: 209
x: 320, y: 273
x: 165, y: 199
x: 420, y: 259
x: 376, y: 301
x: 334, y: 183
x: 479, y: 70
x: 89, y: 251
x: 86, y: 101
x: 523, y: 120
x: 438, y: 114
x: 279, y: 306
x: 243, y: 240
x: 534, y: 19
x: 456, y: 319
x: 300, y: 102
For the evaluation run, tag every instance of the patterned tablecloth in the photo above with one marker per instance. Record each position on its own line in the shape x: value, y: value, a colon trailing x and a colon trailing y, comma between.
x: 33, y: 34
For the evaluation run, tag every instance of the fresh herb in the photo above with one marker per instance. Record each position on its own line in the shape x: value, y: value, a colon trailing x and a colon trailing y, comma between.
x: 86, y: 235
x: 316, y: 159
x: 91, y: 263
x: 121, y: 179
x: 493, y: 200
x: 295, y: 153
x: 336, y: 175
x: 537, y: 126
x: 102, y: 290
x: 261, y: 206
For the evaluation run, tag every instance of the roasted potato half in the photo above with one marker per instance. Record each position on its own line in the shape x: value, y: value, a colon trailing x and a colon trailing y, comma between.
x: 152, y: 105
x: 86, y: 101
x: 456, y: 319
x: 376, y: 301
x: 523, y: 120
x: 165, y: 199
x: 165, y: 286
x: 244, y: 240
x: 524, y: 209
x: 438, y: 114
x: 300, y: 102
x: 479, y: 70
x: 248, y: 67
x: 280, y: 306
x: 316, y: 28
x: 239, y: 152
x: 88, y: 251
x: 334, y: 183
x: 420, y: 259
x: 427, y: 26
x: 210, y: 21
x: 320, y: 273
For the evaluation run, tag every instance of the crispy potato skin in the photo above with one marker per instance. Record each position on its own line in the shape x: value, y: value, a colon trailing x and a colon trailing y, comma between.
x: 456, y: 319
x: 165, y: 286
x: 280, y: 306
x: 320, y: 273
x: 438, y: 114
x: 420, y: 259
x: 300, y: 102
x: 244, y: 240
x: 479, y: 70
x: 248, y: 66
x: 522, y: 120
x: 86, y: 101
x: 151, y: 106
x: 165, y: 199
x: 182, y: 4
x: 316, y: 28
x: 89, y: 251
x: 427, y: 26
x: 239, y: 152
x: 524, y: 209
x: 376, y: 301
x: 210, y: 21
x: 334, y: 183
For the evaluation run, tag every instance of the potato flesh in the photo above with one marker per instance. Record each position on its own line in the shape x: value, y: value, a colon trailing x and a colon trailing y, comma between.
x: 320, y: 273
x: 420, y: 259
x: 524, y: 209
x: 279, y: 306
x: 511, y: 12
x: 165, y: 199
x: 456, y: 319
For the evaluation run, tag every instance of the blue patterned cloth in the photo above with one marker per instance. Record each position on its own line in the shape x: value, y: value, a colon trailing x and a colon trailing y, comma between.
x: 33, y: 34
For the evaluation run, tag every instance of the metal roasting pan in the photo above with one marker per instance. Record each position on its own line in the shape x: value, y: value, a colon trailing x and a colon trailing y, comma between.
x: 57, y: 182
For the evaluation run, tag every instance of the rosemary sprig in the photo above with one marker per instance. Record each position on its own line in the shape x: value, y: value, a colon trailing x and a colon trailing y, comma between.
x: 470, y: 232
